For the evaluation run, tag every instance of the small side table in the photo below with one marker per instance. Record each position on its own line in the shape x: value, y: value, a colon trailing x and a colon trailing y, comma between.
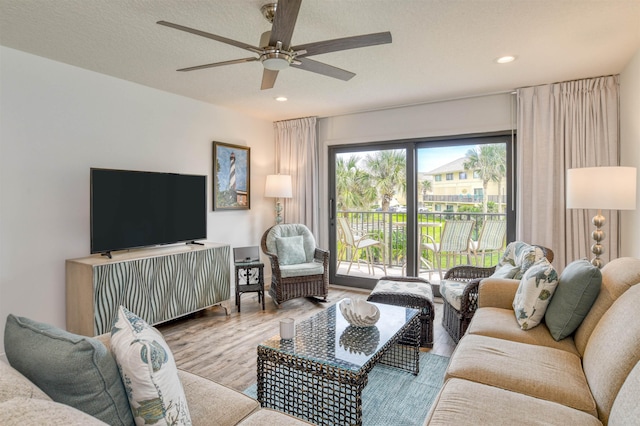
x: 251, y: 274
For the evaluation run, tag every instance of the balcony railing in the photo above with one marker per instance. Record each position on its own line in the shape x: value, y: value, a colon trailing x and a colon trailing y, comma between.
x: 468, y: 199
x: 391, y: 229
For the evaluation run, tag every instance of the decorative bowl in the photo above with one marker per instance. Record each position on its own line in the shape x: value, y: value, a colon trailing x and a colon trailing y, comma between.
x: 359, y: 313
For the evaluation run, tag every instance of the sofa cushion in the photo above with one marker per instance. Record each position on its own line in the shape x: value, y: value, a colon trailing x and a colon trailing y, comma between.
x: 74, y: 370
x: 13, y: 384
x: 148, y: 371
x: 613, y: 350
x: 209, y: 400
x: 27, y: 411
x: 541, y: 372
x: 626, y: 410
x: 578, y: 286
x: 534, y: 293
x: 462, y: 402
x: 618, y: 276
x: 271, y: 417
x: 290, y: 250
x: 501, y: 324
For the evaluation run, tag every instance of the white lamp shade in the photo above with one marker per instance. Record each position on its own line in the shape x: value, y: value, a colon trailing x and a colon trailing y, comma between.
x: 605, y: 188
x: 278, y: 186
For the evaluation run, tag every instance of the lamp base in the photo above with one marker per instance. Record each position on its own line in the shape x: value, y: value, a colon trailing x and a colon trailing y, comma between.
x: 598, y: 235
x: 278, y: 212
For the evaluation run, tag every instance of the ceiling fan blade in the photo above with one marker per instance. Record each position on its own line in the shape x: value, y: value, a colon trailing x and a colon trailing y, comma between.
x: 218, y: 64
x: 324, y: 69
x: 345, y: 43
x: 284, y: 22
x: 212, y: 37
x: 268, y: 79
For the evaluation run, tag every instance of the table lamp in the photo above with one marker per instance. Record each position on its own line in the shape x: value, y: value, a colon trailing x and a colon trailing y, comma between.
x: 278, y: 186
x: 601, y: 188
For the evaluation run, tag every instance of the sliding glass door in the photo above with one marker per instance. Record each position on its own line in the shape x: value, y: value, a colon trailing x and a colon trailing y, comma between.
x: 394, y: 206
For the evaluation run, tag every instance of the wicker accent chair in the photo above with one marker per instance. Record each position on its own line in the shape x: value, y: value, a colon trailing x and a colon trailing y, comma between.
x: 467, y: 278
x: 298, y: 267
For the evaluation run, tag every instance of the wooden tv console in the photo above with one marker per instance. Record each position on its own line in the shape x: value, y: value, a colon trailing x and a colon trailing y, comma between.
x: 156, y: 284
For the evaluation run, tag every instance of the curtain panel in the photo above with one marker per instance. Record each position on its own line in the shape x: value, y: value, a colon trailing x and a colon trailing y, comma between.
x: 563, y: 126
x: 297, y: 156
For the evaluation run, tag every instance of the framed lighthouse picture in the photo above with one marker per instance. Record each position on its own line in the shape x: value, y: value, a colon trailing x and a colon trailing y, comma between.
x: 231, y: 172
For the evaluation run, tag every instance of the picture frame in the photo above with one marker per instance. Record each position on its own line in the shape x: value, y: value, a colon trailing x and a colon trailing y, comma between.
x: 231, y: 177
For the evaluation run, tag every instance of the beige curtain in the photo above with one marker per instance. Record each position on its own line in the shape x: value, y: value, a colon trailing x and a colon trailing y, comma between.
x: 563, y: 126
x: 297, y: 155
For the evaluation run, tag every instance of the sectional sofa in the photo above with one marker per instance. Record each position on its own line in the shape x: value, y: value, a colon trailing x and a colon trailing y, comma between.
x: 500, y: 374
x: 22, y: 403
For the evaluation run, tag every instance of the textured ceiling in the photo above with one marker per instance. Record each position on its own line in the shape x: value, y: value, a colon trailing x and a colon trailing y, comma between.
x: 441, y: 49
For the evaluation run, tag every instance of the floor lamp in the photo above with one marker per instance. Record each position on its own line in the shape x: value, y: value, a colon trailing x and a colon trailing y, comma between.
x: 278, y: 186
x: 601, y: 188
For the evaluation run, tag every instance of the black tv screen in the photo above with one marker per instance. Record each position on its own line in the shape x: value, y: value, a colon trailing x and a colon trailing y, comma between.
x: 138, y: 209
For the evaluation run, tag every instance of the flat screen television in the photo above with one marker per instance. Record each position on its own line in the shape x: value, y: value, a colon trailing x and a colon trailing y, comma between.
x: 131, y: 209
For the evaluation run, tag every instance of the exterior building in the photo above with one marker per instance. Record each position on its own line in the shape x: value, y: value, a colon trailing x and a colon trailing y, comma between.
x: 452, y: 186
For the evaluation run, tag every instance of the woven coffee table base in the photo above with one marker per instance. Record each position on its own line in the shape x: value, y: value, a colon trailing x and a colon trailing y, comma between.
x: 322, y: 393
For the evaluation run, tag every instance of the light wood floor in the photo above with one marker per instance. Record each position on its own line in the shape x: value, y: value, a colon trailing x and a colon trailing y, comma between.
x: 223, y: 348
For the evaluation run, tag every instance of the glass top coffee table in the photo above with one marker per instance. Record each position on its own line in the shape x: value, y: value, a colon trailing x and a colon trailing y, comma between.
x: 319, y: 375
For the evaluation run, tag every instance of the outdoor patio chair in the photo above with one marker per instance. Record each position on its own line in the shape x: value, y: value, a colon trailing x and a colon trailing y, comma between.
x: 454, y: 241
x: 356, y: 243
x: 298, y: 267
x: 491, y: 240
x: 459, y: 288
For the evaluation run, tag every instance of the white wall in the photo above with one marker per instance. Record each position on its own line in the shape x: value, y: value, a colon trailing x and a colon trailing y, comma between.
x: 483, y: 114
x: 57, y: 121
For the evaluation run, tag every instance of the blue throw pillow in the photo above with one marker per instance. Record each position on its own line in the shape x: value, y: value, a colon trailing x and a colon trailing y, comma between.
x: 290, y: 250
x: 578, y: 287
x: 74, y: 370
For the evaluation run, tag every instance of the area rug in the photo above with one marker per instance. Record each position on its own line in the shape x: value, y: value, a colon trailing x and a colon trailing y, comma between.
x: 396, y: 397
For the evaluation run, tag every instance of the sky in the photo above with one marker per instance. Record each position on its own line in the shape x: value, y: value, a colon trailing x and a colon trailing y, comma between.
x: 431, y: 158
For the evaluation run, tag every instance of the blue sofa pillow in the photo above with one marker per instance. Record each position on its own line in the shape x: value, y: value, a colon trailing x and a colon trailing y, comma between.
x: 74, y: 370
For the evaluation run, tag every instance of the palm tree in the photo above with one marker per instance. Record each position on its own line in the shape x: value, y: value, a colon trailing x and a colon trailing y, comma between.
x: 489, y: 161
x: 353, y: 185
x: 388, y: 171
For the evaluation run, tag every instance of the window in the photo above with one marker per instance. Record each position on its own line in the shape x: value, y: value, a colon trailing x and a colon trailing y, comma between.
x: 449, y: 207
x: 476, y: 174
x: 462, y: 175
x: 438, y: 207
x: 438, y: 178
x: 449, y: 176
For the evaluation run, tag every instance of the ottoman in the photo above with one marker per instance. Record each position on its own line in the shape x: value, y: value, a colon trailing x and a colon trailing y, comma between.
x: 410, y: 292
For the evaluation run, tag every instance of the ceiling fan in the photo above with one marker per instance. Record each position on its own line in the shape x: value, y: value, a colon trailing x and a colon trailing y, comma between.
x: 276, y: 52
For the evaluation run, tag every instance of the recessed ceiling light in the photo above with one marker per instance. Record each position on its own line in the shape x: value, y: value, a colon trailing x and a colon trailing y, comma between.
x: 505, y: 59
x: 281, y: 98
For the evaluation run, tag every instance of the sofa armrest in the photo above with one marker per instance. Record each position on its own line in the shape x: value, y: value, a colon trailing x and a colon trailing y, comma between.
x: 497, y: 293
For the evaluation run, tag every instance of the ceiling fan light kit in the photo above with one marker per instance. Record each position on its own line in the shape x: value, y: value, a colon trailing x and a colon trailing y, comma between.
x: 275, y: 51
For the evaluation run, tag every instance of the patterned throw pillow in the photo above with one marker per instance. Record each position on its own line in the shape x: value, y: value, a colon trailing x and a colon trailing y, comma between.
x: 290, y: 250
x: 534, y: 293
x: 148, y: 372
x: 522, y: 255
x: 506, y: 271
